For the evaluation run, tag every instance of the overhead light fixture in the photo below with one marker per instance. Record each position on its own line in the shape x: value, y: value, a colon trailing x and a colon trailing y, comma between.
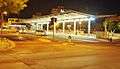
x: 62, y: 11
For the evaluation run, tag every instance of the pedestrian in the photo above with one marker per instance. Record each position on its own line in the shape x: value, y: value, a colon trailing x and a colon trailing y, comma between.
x: 69, y: 38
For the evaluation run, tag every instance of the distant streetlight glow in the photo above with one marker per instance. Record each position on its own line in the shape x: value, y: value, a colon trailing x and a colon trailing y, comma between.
x: 119, y: 25
x: 5, y: 12
x: 62, y: 11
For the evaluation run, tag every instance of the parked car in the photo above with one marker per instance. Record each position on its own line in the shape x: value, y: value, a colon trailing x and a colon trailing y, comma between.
x: 26, y: 32
x: 40, y: 32
x: 8, y: 30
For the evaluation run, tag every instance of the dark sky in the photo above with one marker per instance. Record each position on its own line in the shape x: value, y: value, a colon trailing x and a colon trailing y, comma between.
x: 87, y: 6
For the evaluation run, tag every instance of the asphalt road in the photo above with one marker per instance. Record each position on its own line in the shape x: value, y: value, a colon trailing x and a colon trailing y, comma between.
x: 42, y: 53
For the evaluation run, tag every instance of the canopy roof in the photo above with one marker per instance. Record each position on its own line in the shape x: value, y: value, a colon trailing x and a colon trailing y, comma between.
x: 66, y: 15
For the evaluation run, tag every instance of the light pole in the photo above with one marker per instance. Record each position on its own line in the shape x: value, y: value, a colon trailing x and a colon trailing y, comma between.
x: 4, y: 13
x: 2, y: 18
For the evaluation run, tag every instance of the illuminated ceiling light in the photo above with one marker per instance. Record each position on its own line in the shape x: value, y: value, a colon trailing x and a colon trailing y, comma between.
x: 62, y: 11
x: 92, y: 18
x: 5, y: 12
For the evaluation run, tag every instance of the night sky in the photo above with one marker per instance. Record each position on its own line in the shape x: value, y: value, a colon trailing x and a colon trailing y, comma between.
x: 86, y: 6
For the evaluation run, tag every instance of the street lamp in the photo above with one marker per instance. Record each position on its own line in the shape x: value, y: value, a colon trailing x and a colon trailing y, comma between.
x: 4, y: 13
x: 62, y: 11
x: 2, y: 19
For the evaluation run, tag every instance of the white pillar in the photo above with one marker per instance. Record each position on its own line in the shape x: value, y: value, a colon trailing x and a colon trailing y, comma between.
x: 74, y: 27
x: 89, y: 27
x: 41, y: 26
x: 63, y: 27
x: 54, y: 27
x: 80, y: 25
x: 37, y: 27
x: 47, y: 27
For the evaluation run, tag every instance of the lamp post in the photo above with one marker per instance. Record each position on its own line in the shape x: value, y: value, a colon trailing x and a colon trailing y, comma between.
x: 4, y: 13
x: 2, y: 20
x: 2, y: 17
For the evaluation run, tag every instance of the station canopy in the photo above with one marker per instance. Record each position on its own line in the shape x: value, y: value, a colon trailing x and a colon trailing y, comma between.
x: 64, y: 16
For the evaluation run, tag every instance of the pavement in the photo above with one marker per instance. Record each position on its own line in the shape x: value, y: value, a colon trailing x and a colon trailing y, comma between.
x: 43, y: 53
x: 46, y: 53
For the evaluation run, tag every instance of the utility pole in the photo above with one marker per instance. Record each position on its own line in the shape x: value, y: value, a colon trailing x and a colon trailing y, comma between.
x: 2, y: 18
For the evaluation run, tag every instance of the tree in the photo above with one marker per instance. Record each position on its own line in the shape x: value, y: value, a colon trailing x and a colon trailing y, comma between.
x: 111, y: 25
x: 105, y: 23
x: 12, y: 6
x: 117, y: 30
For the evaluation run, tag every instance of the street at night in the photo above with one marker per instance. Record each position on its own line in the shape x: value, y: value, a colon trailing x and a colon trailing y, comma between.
x: 42, y: 53
x: 59, y: 34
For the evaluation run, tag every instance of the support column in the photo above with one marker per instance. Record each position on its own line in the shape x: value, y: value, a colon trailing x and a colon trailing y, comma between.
x: 63, y: 27
x: 89, y: 27
x: 41, y: 26
x: 80, y: 25
x: 37, y: 27
x: 47, y: 27
x: 54, y: 27
x: 74, y: 27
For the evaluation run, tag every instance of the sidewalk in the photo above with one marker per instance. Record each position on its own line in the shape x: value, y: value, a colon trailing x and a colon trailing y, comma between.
x: 107, y: 40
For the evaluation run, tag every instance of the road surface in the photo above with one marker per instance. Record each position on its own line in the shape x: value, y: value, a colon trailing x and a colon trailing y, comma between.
x: 42, y: 53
